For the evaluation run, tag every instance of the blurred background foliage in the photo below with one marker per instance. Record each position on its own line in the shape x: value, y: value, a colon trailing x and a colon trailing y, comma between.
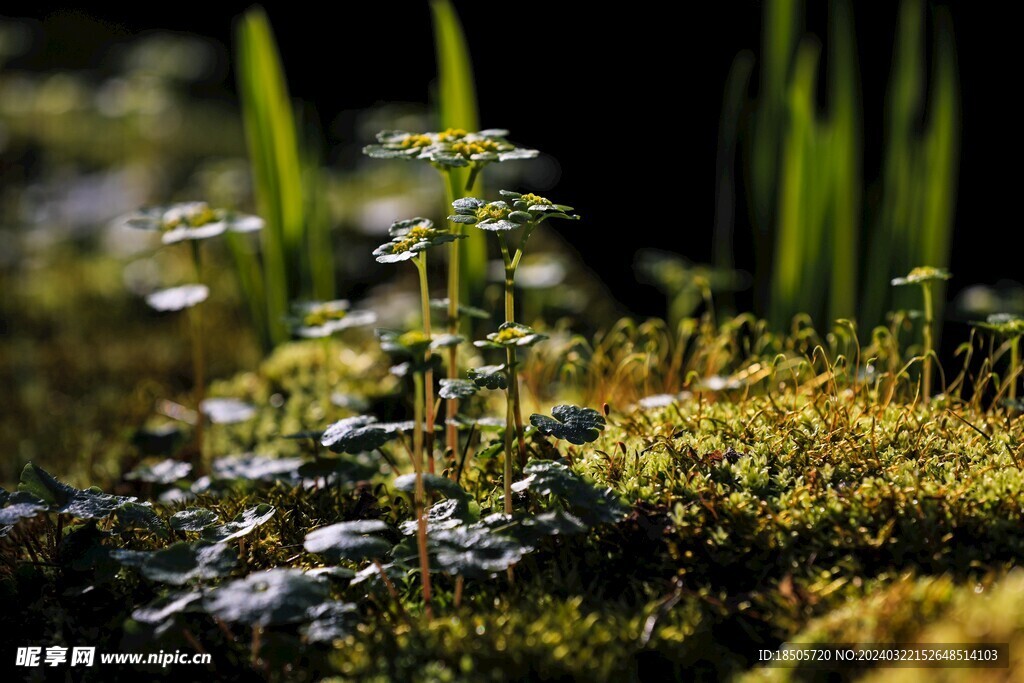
x: 837, y: 167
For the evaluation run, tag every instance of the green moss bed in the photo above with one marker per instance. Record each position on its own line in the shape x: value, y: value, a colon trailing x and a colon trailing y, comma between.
x: 803, y: 511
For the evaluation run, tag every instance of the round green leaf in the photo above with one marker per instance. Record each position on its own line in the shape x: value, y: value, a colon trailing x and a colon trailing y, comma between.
x: 276, y: 596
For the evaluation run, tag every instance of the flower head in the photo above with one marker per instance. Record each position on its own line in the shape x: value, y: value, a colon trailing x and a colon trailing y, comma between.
x: 511, y: 334
x: 1004, y: 324
x: 920, y: 275
x: 451, y: 148
x: 513, y: 212
x: 191, y: 221
x: 409, y: 238
x: 323, y: 318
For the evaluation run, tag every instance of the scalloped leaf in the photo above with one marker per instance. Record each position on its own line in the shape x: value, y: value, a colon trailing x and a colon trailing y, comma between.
x: 19, y: 505
x: 447, y: 514
x: 330, y: 621
x: 356, y: 435
x: 432, y: 483
x: 139, y: 516
x: 489, y: 376
x: 456, y: 388
x: 162, y: 472
x: 551, y: 478
x: 91, y: 503
x: 181, y: 562
x: 167, y: 606
x: 574, y: 424
x: 254, y: 467
x: 275, y: 596
x: 243, y: 524
x: 193, y: 519
x: 354, y: 541
x: 475, y: 552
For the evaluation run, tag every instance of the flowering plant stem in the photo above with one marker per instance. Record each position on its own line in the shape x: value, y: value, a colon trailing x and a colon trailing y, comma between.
x: 452, y: 404
x: 926, y: 335
x: 198, y: 360
x: 515, y: 414
x: 420, y: 494
x: 428, y: 429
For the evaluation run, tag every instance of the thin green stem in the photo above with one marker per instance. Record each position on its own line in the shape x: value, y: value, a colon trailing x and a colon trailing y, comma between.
x: 420, y: 494
x: 198, y: 360
x: 508, y: 436
x: 927, y: 340
x: 452, y: 404
x: 421, y: 265
x: 511, y: 263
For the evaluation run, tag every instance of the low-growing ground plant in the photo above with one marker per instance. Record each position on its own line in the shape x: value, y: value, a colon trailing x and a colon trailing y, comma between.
x: 521, y: 214
x: 191, y: 223
x: 450, y: 149
x: 925, y: 276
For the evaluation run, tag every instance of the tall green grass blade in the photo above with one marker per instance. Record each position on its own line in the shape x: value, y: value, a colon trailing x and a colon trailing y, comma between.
x: 779, y: 42
x: 940, y: 153
x: 457, y: 108
x: 795, y: 238
x: 736, y: 85
x: 844, y: 156
x: 319, y: 249
x: 273, y: 150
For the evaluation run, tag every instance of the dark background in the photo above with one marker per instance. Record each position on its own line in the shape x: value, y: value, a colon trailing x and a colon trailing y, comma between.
x: 649, y: 81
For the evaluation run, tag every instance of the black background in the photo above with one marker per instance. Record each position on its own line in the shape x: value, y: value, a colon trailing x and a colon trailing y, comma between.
x: 649, y: 75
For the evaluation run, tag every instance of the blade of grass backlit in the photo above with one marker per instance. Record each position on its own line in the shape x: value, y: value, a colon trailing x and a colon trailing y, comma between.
x: 844, y: 158
x: 457, y: 108
x: 796, y: 171
x: 940, y: 154
x: 273, y: 151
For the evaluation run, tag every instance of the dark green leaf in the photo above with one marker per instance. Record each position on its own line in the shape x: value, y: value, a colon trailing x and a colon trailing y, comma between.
x: 85, y: 504
x: 163, y: 472
x: 475, y: 552
x: 20, y: 505
x: 330, y: 621
x: 342, y: 469
x: 276, y: 596
x: 592, y: 505
x: 139, y: 516
x: 253, y: 467
x: 193, y: 519
x: 243, y: 524
x: 489, y: 376
x: 456, y: 388
x: 572, y: 423
x: 356, y: 435
x: 433, y: 483
x: 181, y: 562
x: 167, y: 606
x: 447, y: 514
x: 353, y: 541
